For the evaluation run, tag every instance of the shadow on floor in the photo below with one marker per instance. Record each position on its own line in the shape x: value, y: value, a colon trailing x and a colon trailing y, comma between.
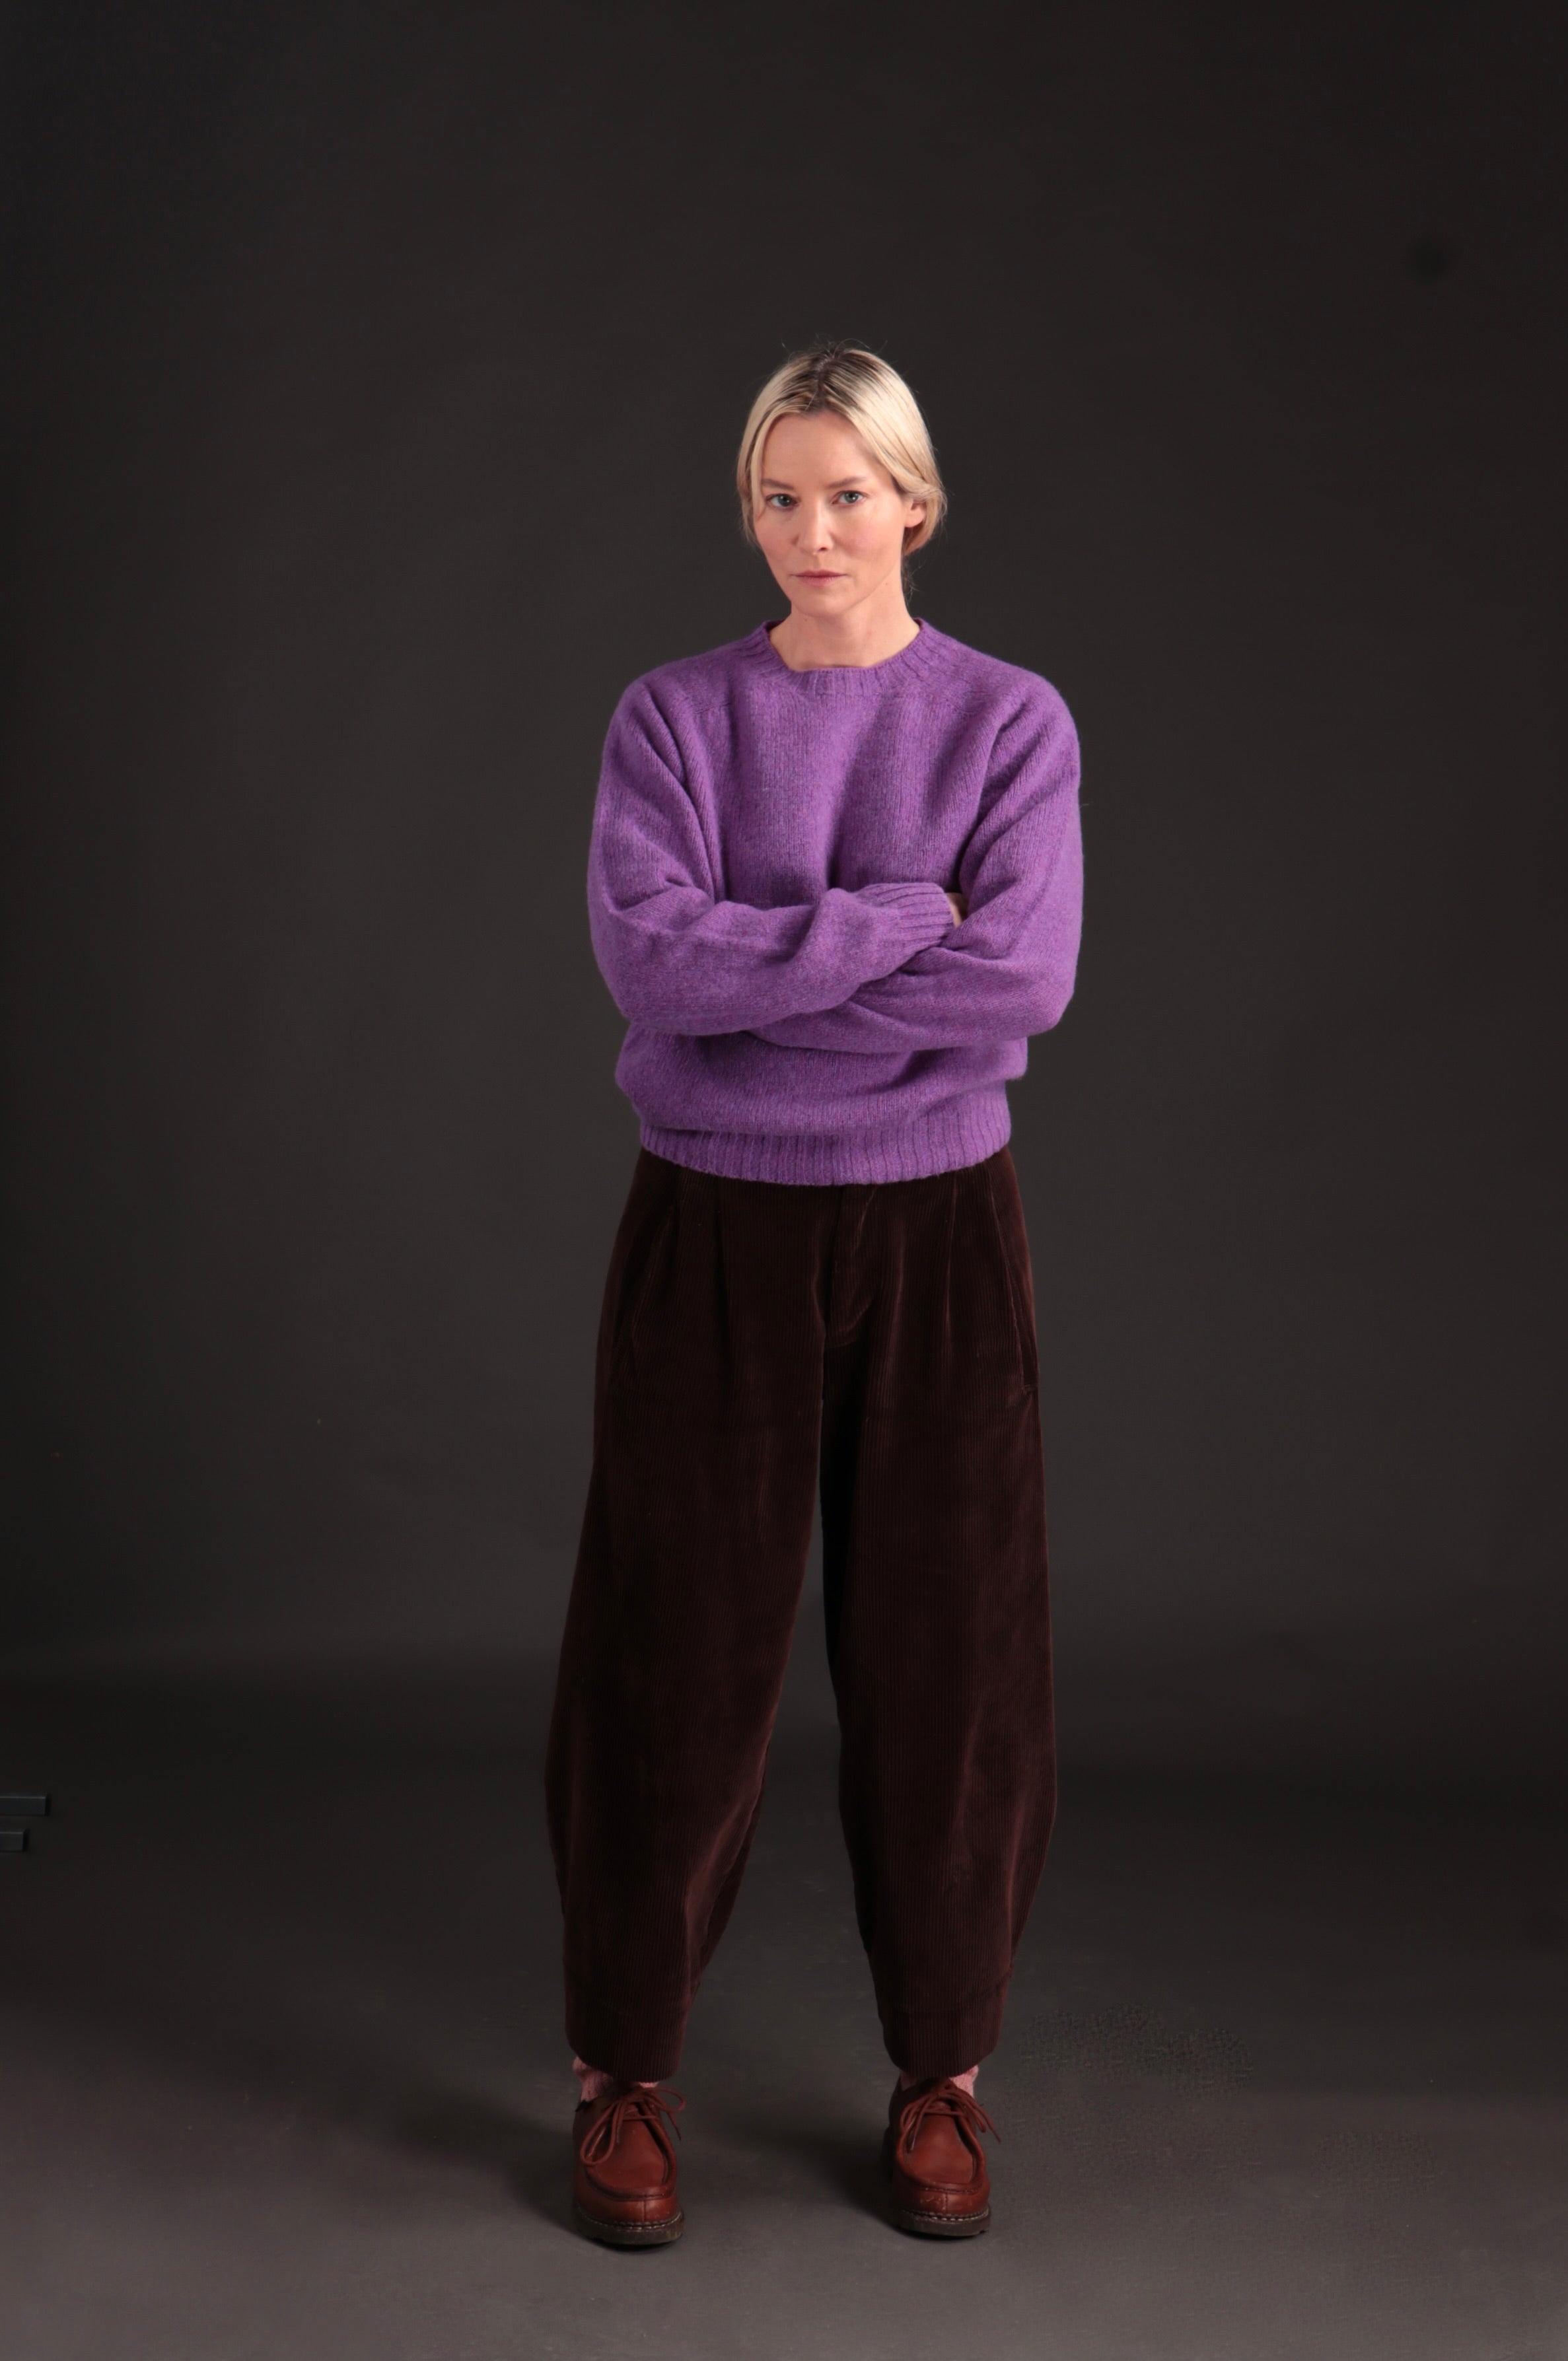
x: 527, y: 2158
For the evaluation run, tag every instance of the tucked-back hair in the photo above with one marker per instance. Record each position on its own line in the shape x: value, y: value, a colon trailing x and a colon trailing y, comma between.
x: 874, y: 401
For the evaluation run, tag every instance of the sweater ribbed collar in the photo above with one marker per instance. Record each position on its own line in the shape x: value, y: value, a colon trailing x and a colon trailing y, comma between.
x: 924, y: 652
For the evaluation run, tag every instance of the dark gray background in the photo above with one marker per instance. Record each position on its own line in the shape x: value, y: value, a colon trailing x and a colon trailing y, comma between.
x: 375, y: 374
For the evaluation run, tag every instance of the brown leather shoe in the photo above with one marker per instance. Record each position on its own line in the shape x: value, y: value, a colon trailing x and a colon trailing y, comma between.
x: 933, y: 2157
x: 623, y: 2182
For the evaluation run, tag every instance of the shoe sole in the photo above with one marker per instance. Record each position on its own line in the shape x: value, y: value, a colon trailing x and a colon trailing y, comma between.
x: 942, y: 2226
x: 629, y: 2233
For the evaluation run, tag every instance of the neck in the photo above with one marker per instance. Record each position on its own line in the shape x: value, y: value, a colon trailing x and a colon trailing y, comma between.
x: 878, y: 627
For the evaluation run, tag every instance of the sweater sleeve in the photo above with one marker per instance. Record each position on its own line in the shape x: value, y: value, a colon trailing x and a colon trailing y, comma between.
x: 1008, y: 970
x: 676, y: 957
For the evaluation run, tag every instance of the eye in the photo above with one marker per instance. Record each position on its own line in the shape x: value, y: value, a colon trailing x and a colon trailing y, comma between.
x: 852, y: 496
x: 780, y: 500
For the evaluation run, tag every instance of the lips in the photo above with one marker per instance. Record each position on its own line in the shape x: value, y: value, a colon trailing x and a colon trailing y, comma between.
x: 819, y: 578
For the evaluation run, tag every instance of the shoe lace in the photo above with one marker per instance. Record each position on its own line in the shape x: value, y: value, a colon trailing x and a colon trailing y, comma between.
x: 944, y: 2099
x: 633, y: 2102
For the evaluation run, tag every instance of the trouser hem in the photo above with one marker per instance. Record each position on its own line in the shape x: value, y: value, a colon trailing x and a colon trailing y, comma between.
x: 925, y: 2042
x: 641, y: 2043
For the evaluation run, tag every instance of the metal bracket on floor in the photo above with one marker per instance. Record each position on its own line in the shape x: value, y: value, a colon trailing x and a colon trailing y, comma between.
x: 20, y: 1807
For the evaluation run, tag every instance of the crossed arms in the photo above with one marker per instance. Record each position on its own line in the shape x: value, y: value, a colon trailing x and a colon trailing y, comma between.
x: 881, y: 971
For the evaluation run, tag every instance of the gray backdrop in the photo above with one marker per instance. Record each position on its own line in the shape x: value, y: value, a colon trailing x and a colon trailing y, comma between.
x: 375, y: 375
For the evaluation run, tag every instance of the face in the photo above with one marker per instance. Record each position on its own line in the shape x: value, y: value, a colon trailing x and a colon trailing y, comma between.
x: 832, y: 520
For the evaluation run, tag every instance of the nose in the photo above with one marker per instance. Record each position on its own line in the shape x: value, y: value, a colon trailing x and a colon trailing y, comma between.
x: 816, y: 530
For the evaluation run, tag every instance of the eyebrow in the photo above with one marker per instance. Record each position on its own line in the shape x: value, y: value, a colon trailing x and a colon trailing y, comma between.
x: 840, y: 484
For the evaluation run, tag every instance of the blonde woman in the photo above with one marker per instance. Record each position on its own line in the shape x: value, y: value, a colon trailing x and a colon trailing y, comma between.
x: 834, y: 886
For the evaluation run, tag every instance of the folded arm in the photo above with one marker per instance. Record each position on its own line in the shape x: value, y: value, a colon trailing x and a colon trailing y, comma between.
x: 1008, y: 970
x: 677, y: 958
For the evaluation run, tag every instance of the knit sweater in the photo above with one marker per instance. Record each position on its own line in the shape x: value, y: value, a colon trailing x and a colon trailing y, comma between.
x: 765, y: 896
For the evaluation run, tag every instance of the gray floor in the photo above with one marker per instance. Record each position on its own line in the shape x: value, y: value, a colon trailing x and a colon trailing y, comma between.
x: 1285, y: 2074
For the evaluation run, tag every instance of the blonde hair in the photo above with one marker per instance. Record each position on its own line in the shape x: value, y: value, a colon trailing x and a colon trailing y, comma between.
x: 874, y: 401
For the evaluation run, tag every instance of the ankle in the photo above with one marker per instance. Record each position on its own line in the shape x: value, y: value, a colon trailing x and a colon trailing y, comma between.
x: 592, y: 2082
x: 964, y: 2080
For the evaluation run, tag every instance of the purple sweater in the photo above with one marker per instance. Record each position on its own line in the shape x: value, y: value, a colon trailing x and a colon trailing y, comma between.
x: 765, y: 897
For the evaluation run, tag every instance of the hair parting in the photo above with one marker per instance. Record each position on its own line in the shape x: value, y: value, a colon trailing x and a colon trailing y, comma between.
x: 874, y: 399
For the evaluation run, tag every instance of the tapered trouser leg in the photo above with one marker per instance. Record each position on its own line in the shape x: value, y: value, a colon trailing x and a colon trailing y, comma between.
x: 936, y: 1591
x: 757, y: 1339
x: 698, y: 1522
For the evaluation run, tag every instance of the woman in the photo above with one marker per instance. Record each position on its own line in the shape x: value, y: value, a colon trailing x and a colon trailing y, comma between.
x: 834, y: 885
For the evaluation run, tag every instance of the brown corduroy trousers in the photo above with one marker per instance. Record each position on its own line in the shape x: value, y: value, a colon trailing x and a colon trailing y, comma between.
x: 760, y: 1339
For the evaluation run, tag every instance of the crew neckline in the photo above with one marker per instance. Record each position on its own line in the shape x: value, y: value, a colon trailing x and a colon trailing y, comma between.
x: 845, y: 680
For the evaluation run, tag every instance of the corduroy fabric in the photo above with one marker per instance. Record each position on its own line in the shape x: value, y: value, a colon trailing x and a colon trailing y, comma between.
x: 761, y: 1341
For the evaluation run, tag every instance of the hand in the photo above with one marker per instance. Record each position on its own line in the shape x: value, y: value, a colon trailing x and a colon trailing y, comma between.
x: 959, y: 904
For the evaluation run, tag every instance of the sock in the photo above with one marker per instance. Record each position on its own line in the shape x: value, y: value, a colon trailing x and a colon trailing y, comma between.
x: 594, y: 2084
x: 964, y: 2080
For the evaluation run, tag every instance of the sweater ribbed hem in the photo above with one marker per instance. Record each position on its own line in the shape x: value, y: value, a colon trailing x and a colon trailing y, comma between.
x: 964, y: 1132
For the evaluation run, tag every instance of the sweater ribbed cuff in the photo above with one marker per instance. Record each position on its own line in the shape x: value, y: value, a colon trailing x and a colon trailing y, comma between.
x: 914, y: 915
